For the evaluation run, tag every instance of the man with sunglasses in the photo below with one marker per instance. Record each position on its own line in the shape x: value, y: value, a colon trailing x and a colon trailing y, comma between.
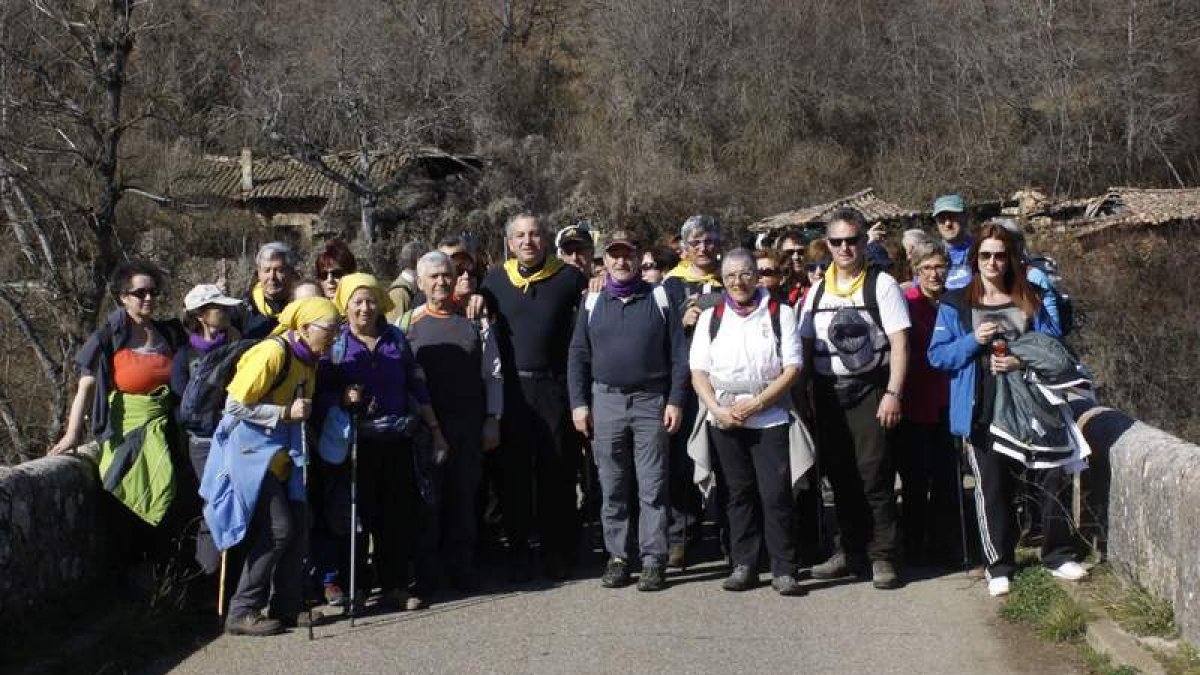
x: 854, y: 330
x: 576, y: 247
x: 952, y: 220
x: 695, y: 285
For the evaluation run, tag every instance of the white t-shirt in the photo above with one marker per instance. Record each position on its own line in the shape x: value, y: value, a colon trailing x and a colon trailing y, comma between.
x: 893, y: 311
x: 744, y: 352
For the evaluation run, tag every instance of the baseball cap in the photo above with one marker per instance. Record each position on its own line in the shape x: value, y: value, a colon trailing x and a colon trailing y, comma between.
x: 949, y: 204
x: 622, y: 238
x: 207, y: 294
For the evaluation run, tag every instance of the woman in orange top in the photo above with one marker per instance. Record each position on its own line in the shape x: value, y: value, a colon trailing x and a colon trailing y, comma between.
x: 124, y: 370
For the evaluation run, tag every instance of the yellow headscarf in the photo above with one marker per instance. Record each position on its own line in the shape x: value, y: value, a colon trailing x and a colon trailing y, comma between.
x: 831, y: 284
x: 306, y: 311
x: 353, y: 282
x: 512, y: 268
x: 685, y: 271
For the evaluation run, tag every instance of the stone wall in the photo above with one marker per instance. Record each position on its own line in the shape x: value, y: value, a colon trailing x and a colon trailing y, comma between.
x: 1153, y: 510
x: 52, y: 541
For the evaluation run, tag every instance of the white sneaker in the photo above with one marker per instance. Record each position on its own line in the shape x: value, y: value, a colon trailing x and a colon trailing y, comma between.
x: 997, y: 586
x: 1071, y: 571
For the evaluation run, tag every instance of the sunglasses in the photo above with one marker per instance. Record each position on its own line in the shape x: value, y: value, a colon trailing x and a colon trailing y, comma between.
x: 767, y: 272
x: 333, y: 274
x: 143, y: 293
x: 707, y: 243
x: 838, y: 242
x: 792, y: 252
x: 815, y: 268
x: 989, y: 255
x: 646, y: 267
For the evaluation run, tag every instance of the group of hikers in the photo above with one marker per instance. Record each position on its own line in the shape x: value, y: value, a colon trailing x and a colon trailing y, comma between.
x: 346, y: 434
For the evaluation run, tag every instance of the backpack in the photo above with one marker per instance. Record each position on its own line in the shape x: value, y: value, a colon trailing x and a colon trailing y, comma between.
x: 1066, y: 308
x: 714, y: 324
x: 660, y: 298
x: 204, y: 397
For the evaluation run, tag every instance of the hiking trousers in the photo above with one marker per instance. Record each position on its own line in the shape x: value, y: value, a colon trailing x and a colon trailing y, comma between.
x: 274, y: 550
x: 999, y: 480
x: 928, y: 467
x: 758, y: 477
x: 631, y: 448
x: 856, y: 456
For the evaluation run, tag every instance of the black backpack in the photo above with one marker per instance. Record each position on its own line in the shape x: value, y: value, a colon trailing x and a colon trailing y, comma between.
x: 204, y: 397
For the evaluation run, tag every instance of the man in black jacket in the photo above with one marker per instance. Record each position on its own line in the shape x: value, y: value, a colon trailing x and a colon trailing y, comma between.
x: 533, y: 298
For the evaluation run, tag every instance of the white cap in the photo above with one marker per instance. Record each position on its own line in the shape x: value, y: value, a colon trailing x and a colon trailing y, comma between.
x: 207, y: 294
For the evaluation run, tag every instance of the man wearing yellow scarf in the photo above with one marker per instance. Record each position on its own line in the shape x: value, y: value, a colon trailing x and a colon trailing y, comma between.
x: 854, y: 332
x: 695, y: 285
x: 275, y: 268
x: 534, y: 299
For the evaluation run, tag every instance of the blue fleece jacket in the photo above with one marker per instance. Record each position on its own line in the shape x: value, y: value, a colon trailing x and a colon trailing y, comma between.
x: 954, y: 348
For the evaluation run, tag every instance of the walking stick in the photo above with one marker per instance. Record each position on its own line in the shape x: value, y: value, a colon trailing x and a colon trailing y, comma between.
x: 221, y: 586
x: 307, y: 524
x: 962, y: 513
x: 352, y: 610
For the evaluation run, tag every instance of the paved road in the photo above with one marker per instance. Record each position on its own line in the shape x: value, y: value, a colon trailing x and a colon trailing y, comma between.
x: 937, y: 625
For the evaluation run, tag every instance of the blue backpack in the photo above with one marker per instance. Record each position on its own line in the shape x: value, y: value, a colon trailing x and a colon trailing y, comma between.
x: 204, y: 397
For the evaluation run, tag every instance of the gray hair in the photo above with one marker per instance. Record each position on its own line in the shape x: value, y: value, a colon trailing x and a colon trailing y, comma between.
x: 434, y: 259
x: 929, y: 248
x: 912, y: 237
x: 508, y: 224
x: 699, y: 225
x: 410, y: 253
x: 739, y: 255
x: 848, y: 214
x: 275, y: 249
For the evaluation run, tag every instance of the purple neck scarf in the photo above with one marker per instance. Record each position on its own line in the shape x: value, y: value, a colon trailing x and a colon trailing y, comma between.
x: 624, y: 290
x: 300, y: 349
x: 744, y: 311
x: 204, y: 346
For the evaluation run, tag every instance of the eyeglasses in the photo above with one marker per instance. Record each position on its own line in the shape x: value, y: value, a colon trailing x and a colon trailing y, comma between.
x: 738, y: 276
x: 985, y: 256
x: 816, y: 268
x: 333, y: 274
x: 646, y: 267
x: 324, y: 327
x: 838, y: 242
x: 706, y: 243
x: 144, y: 292
x: 767, y: 271
x: 932, y: 269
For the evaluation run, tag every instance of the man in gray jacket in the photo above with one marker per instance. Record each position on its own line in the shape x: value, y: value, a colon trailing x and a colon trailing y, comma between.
x: 627, y: 376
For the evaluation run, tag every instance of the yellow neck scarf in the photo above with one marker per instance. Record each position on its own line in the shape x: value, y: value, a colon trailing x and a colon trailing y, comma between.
x: 690, y: 275
x: 259, y: 296
x: 831, y: 284
x: 512, y: 268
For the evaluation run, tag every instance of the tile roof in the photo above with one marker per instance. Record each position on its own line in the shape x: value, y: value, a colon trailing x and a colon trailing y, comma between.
x: 287, y: 178
x: 872, y: 207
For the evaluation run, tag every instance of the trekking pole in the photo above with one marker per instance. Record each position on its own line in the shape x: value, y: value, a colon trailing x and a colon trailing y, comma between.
x: 221, y: 585
x: 960, y: 448
x: 307, y: 525
x: 352, y: 610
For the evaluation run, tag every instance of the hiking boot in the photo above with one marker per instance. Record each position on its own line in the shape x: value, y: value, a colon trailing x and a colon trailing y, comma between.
x: 742, y: 579
x: 836, y: 567
x: 254, y: 625
x: 677, y: 556
x: 303, y: 619
x: 786, y: 584
x: 883, y: 575
x: 616, y: 573
x: 335, y: 596
x: 393, y: 601
x: 652, y: 578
